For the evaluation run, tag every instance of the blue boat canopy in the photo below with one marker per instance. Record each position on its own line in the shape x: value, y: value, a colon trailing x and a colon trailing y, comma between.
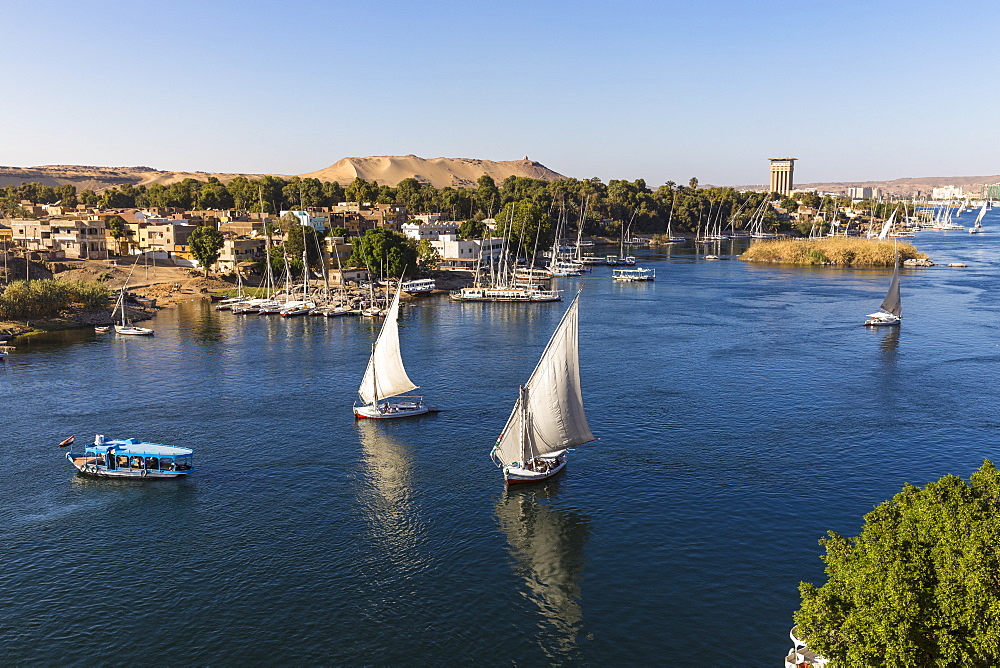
x: 133, y: 446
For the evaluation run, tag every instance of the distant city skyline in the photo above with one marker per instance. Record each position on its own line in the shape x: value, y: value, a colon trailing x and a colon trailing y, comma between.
x: 658, y: 91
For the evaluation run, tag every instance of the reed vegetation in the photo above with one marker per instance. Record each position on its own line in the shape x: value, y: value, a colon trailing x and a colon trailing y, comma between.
x: 843, y: 251
x: 25, y: 300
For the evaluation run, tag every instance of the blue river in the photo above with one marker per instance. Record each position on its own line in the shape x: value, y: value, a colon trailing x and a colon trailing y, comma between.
x: 742, y: 411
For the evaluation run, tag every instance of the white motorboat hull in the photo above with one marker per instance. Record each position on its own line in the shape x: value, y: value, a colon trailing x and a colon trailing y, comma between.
x: 133, y: 331
x: 390, y: 411
x: 515, y: 474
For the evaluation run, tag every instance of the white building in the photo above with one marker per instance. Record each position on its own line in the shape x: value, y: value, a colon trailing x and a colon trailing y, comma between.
x: 947, y: 192
x: 430, y: 229
x: 318, y: 223
x: 464, y: 253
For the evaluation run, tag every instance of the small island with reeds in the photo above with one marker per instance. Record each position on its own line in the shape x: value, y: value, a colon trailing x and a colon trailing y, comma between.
x: 840, y: 251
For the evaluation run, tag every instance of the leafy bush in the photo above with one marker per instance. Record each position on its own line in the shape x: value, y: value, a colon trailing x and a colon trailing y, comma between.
x: 23, y: 300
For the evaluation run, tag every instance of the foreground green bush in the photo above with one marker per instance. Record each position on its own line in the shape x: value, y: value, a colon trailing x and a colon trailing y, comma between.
x: 920, y: 586
x: 23, y: 300
x: 846, y: 251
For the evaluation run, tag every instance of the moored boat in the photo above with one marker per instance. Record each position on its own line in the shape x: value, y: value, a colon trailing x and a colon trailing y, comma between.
x: 485, y: 294
x: 419, y: 286
x: 132, y: 458
x: 800, y: 656
x: 633, y: 275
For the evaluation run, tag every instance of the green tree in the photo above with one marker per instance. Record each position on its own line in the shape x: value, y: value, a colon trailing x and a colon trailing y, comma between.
x: 427, y: 255
x: 118, y: 229
x: 206, y: 245
x: 487, y: 195
x: 297, y: 234
x: 528, y: 222
x: 88, y: 198
x: 471, y: 229
x: 789, y: 205
x: 919, y: 586
x: 382, y: 249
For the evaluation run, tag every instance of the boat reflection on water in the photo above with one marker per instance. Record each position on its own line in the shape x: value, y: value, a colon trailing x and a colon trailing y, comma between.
x: 386, y: 496
x: 889, y: 343
x: 546, y: 546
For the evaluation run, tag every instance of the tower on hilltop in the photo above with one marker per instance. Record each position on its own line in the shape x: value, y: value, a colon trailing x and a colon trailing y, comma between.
x: 781, y: 175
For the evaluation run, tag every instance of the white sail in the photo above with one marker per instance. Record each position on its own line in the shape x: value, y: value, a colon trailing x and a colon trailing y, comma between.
x: 982, y: 212
x: 891, y: 303
x: 888, y: 226
x: 385, y: 375
x: 548, y: 416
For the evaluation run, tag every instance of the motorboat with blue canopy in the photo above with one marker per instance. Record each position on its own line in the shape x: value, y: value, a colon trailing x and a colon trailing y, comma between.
x: 132, y: 458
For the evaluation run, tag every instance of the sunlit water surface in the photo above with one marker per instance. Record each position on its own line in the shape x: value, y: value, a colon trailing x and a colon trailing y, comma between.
x: 742, y: 412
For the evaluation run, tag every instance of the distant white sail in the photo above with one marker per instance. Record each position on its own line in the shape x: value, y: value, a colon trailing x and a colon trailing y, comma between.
x: 385, y: 375
x: 553, y: 418
x: 888, y: 226
x: 982, y: 212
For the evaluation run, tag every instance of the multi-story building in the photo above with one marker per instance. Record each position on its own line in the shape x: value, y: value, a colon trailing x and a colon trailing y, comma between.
x: 236, y: 251
x: 417, y: 230
x: 465, y: 253
x: 61, y: 238
x: 166, y: 239
x: 358, y: 218
x: 947, y: 192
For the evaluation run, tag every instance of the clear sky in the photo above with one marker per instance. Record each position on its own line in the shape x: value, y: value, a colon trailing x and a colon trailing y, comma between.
x: 625, y: 89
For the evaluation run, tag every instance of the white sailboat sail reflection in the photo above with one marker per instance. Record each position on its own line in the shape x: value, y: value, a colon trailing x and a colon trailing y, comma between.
x: 546, y: 546
x: 386, y: 497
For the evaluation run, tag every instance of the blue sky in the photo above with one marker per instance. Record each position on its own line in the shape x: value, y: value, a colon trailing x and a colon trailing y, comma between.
x: 628, y: 89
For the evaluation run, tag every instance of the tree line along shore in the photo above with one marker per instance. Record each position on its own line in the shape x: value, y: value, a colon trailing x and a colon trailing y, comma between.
x: 604, y: 208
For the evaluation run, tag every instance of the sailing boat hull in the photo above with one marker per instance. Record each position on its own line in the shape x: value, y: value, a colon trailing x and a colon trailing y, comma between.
x: 133, y: 331
x: 389, y: 411
x: 516, y: 474
x: 882, y: 320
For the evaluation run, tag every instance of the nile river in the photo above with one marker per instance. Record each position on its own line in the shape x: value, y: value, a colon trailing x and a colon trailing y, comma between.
x: 742, y: 411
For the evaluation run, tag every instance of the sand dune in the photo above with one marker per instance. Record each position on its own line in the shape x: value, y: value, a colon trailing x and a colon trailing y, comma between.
x: 386, y: 170
x: 438, y: 172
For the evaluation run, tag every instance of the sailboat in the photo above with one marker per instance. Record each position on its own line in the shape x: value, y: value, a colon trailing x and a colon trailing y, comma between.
x: 977, y: 226
x: 385, y: 376
x: 548, y: 417
x: 127, y: 327
x: 892, y: 309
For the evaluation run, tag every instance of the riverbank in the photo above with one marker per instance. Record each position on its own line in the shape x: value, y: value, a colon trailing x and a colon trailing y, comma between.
x: 160, y: 286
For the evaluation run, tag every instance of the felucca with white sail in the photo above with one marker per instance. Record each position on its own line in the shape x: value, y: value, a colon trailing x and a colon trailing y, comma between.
x: 548, y: 418
x: 977, y: 226
x: 891, y: 310
x: 385, y: 376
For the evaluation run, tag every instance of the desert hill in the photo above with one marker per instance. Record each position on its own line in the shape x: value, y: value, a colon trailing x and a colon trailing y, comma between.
x: 438, y: 172
x: 386, y: 170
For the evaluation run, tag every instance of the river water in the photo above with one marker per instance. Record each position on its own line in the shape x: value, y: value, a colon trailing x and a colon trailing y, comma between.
x: 742, y: 412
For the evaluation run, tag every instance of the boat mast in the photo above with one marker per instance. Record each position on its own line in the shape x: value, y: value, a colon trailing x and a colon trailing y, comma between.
x: 525, y: 436
x: 267, y: 244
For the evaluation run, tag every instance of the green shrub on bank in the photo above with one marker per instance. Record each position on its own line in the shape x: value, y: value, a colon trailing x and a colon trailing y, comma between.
x: 844, y: 251
x: 23, y: 300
